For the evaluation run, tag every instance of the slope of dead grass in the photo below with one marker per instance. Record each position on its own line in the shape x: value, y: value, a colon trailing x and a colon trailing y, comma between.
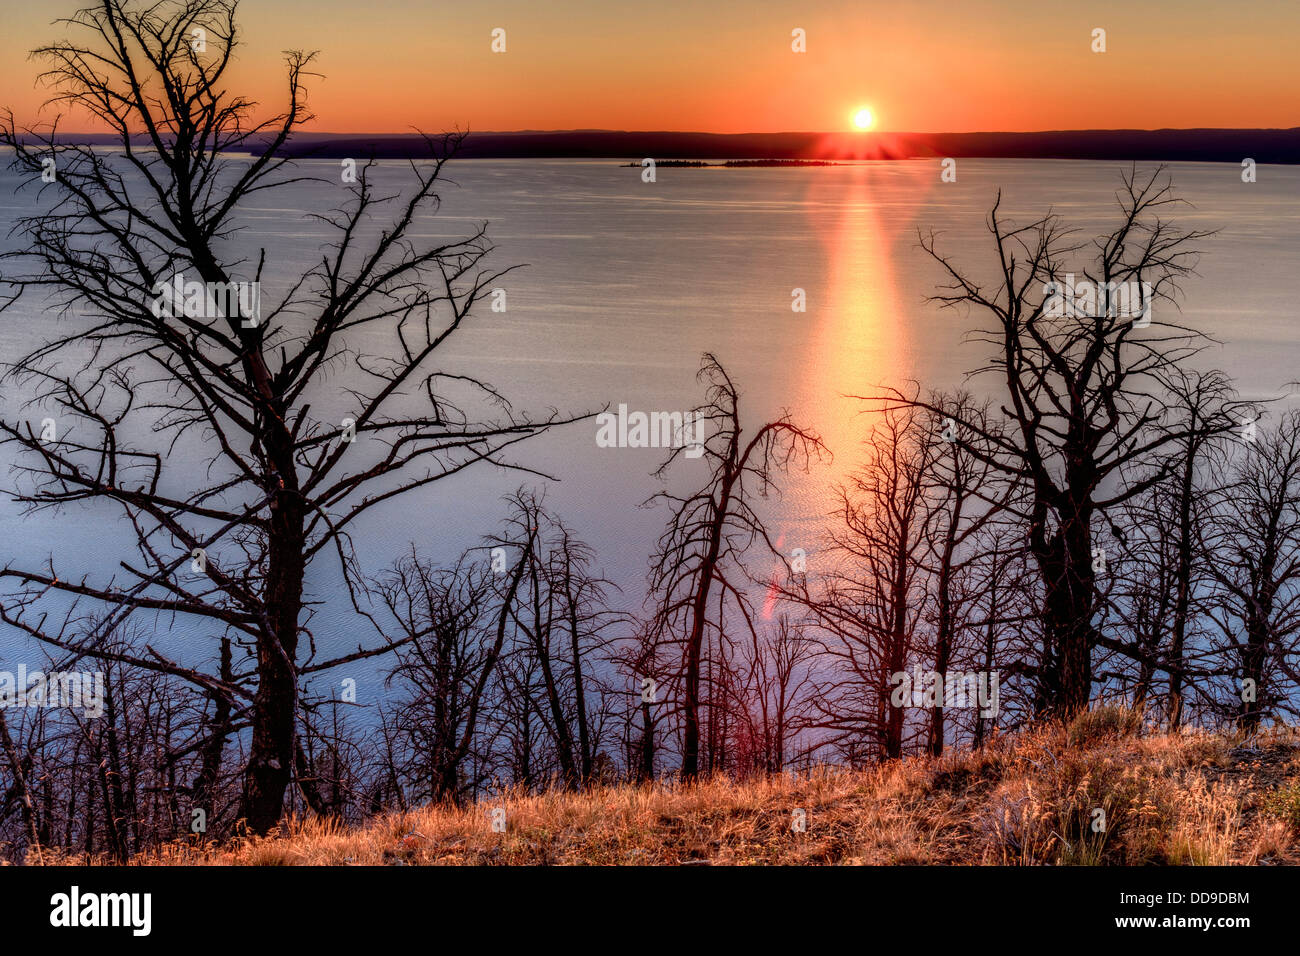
x: 1031, y: 799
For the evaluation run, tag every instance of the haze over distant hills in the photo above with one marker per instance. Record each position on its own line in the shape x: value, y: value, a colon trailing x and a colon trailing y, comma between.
x: 1172, y: 145
x: 1205, y: 145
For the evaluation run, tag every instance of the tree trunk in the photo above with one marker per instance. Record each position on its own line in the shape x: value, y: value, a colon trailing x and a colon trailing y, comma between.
x: 695, y: 641
x: 542, y: 640
x: 205, y: 783
x: 20, y: 783
x: 114, y: 798
x: 1065, y: 565
x: 274, y: 715
x: 647, y: 768
x: 944, y: 635
x: 1253, y: 655
x: 1183, y: 596
x: 898, y: 606
x: 579, y: 687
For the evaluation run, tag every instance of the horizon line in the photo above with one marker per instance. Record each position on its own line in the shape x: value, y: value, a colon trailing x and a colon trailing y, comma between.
x: 416, y: 131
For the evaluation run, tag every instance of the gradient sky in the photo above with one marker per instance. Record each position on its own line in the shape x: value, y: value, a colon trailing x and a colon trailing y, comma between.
x: 928, y: 66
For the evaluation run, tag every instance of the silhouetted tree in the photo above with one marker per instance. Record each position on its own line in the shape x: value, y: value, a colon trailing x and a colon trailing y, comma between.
x: 141, y: 367
x: 1081, y: 369
x: 1255, y: 539
x: 698, y: 575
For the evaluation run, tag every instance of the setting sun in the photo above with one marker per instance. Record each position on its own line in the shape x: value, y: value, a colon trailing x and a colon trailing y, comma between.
x: 863, y: 119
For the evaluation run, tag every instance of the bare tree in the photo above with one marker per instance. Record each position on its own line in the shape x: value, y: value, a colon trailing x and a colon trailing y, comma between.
x: 1255, y: 538
x: 21, y: 792
x: 457, y: 629
x: 965, y: 493
x: 1081, y: 368
x: 584, y: 604
x: 142, y: 368
x: 870, y: 601
x: 645, y: 660
x: 112, y: 781
x: 1004, y: 620
x: 559, y: 620
x: 776, y: 697
x: 698, y: 575
x: 1167, y: 571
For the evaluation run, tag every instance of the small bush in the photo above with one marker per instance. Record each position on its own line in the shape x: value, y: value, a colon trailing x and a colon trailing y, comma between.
x: 1106, y: 722
x: 1284, y: 803
x: 1018, y: 828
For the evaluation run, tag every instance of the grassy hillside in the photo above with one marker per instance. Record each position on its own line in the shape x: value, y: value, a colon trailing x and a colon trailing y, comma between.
x: 1032, y: 798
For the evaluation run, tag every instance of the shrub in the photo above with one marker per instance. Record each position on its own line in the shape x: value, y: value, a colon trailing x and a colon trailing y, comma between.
x: 1284, y: 803
x: 1106, y: 722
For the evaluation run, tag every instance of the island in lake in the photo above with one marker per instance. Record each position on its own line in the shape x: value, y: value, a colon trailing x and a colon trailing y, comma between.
x: 694, y: 163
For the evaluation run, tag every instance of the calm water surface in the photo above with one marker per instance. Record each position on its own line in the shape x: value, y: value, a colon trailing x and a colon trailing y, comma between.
x: 627, y: 283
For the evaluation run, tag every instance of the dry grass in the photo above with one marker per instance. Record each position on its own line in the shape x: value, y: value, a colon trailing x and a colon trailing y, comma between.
x: 1032, y: 799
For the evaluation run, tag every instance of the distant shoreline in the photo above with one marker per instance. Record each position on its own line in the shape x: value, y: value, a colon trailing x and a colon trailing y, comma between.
x: 737, y: 163
x: 1264, y: 146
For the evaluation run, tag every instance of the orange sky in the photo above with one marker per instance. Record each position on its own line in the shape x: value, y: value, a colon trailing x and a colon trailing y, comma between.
x: 926, y: 66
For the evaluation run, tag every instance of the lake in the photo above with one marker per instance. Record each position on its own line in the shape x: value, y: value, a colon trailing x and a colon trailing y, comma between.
x: 626, y: 283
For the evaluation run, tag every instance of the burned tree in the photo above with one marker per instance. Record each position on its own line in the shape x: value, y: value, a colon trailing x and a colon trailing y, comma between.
x: 168, y: 350
x: 698, y: 578
x: 870, y: 599
x: 559, y: 620
x: 1081, y: 366
x: 1166, y: 568
x: 1255, y: 537
x: 456, y: 622
x: 964, y: 496
x: 775, y: 696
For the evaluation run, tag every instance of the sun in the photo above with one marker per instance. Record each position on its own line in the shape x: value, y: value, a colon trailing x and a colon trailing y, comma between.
x: 863, y: 119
